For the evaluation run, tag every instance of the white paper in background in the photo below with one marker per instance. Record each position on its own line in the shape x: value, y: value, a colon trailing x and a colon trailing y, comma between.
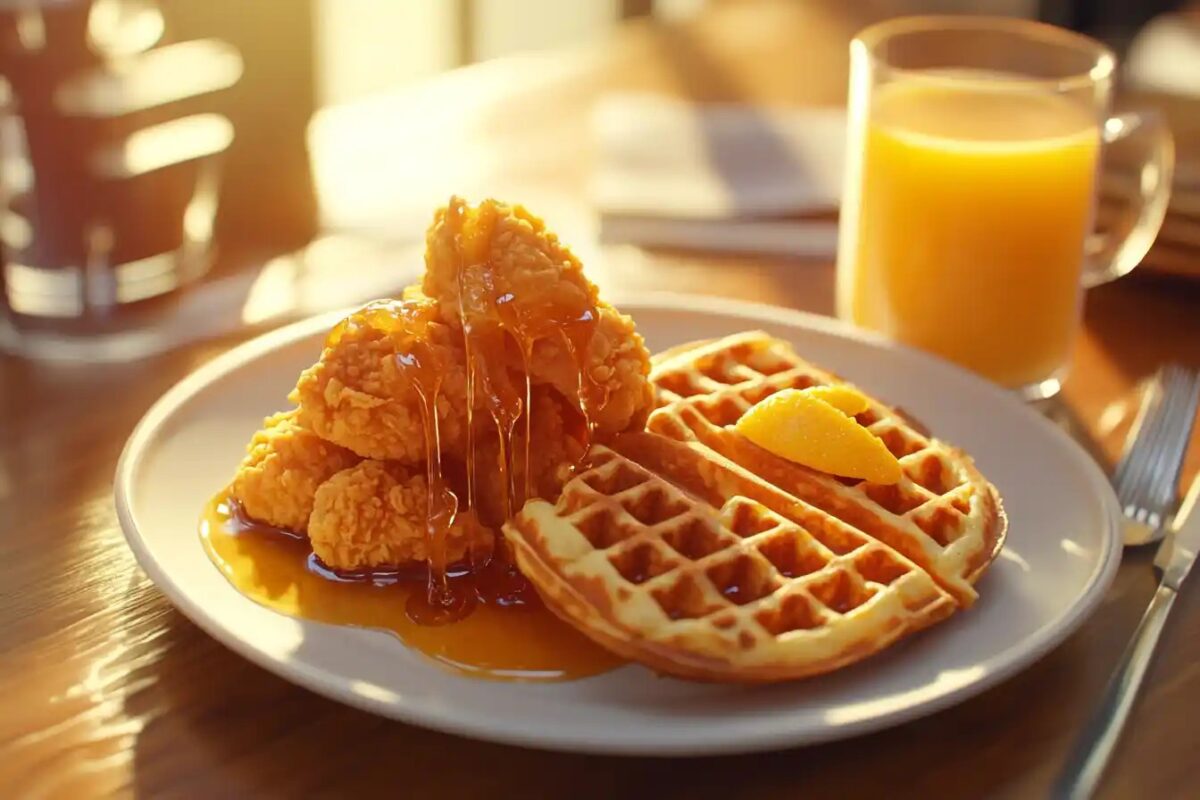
x: 662, y: 157
x: 382, y: 164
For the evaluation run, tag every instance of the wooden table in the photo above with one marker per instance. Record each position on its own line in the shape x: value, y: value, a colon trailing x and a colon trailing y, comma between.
x: 106, y: 687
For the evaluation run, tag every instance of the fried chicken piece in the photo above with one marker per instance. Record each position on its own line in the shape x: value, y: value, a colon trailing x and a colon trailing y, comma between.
x: 357, y: 395
x: 556, y: 442
x: 374, y: 515
x: 496, y: 282
x: 498, y: 265
x: 539, y: 271
x: 285, y: 463
x: 615, y: 376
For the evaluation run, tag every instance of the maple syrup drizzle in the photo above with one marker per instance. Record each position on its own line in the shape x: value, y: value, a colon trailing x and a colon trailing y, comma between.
x: 526, y: 465
x: 487, y: 303
x: 420, y: 365
x: 484, y: 338
x: 510, y: 635
x: 472, y: 499
x: 441, y: 603
x: 577, y: 336
x: 456, y: 619
x: 472, y: 506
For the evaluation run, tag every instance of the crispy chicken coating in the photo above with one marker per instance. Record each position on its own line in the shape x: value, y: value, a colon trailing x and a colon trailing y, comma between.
x: 498, y: 282
x: 284, y: 464
x: 373, y: 515
x: 533, y: 264
x: 357, y: 397
x: 615, y: 374
x: 504, y: 256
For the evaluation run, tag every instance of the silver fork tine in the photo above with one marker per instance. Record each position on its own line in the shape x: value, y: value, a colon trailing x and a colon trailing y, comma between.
x: 1176, y: 402
x: 1148, y: 474
x: 1161, y: 491
x: 1156, y: 441
x: 1175, y: 396
x: 1136, y: 459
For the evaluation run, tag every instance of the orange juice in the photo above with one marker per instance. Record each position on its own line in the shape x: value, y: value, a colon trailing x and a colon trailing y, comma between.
x: 968, y: 236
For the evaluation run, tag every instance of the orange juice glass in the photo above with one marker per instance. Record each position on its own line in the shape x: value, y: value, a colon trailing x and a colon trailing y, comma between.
x: 967, y: 217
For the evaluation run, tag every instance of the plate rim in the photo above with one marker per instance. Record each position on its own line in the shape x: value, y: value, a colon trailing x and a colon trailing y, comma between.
x: 332, y: 684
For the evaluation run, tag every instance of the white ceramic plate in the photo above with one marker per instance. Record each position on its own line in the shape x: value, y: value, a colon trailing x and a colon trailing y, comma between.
x: 1060, y: 557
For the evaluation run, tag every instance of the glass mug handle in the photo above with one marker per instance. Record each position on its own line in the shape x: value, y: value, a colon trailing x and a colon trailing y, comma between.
x: 1117, y: 251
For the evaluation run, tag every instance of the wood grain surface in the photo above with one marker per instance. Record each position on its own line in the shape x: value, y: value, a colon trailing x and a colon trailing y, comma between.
x: 108, y: 690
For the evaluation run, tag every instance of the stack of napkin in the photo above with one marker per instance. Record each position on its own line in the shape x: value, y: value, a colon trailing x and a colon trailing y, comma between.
x: 729, y: 178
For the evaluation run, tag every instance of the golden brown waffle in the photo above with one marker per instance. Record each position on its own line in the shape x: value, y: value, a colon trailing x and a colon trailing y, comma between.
x: 713, y: 559
x: 719, y: 588
x: 943, y: 514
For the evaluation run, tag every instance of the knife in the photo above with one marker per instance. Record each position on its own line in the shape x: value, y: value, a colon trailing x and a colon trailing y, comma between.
x: 1174, y: 559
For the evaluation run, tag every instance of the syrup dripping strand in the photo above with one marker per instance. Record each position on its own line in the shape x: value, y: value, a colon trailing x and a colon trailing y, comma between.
x: 441, y: 503
x: 505, y: 425
x: 472, y: 499
x: 504, y: 406
x: 420, y: 364
x: 507, y: 325
x: 526, y: 357
x: 577, y: 336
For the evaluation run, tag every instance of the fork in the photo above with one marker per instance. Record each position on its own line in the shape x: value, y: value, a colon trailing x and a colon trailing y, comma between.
x: 1148, y: 473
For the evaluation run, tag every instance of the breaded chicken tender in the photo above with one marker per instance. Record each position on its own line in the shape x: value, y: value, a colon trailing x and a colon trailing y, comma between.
x: 357, y: 397
x: 354, y: 395
x: 535, y: 266
x: 554, y: 447
x: 615, y: 375
x: 374, y: 515
x: 348, y: 465
x: 284, y: 464
x: 509, y: 258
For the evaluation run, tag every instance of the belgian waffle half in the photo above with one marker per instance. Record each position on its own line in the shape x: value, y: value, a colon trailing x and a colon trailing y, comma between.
x: 694, y: 551
x: 942, y: 514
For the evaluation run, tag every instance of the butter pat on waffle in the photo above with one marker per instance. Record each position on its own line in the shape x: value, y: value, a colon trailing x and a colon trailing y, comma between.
x: 692, y: 550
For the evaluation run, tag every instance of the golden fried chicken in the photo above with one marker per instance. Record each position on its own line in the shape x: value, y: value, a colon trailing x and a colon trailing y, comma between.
x: 515, y: 246
x: 496, y: 265
x: 285, y: 463
x: 615, y: 374
x: 357, y: 396
x: 502, y: 302
x: 556, y: 442
x: 374, y: 515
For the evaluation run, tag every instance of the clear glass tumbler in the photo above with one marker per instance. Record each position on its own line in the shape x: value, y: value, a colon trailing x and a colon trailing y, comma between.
x: 970, y: 195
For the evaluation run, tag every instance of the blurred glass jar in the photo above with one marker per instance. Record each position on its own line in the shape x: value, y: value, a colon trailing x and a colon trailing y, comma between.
x: 110, y: 160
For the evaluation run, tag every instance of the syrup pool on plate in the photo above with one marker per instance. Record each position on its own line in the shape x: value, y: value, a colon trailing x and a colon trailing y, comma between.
x: 509, y: 634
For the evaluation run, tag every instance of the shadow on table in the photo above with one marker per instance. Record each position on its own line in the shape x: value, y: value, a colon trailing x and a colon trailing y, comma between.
x: 1143, y: 321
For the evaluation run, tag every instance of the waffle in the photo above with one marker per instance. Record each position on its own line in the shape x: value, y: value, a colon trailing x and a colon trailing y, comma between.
x: 712, y: 559
x: 943, y: 514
